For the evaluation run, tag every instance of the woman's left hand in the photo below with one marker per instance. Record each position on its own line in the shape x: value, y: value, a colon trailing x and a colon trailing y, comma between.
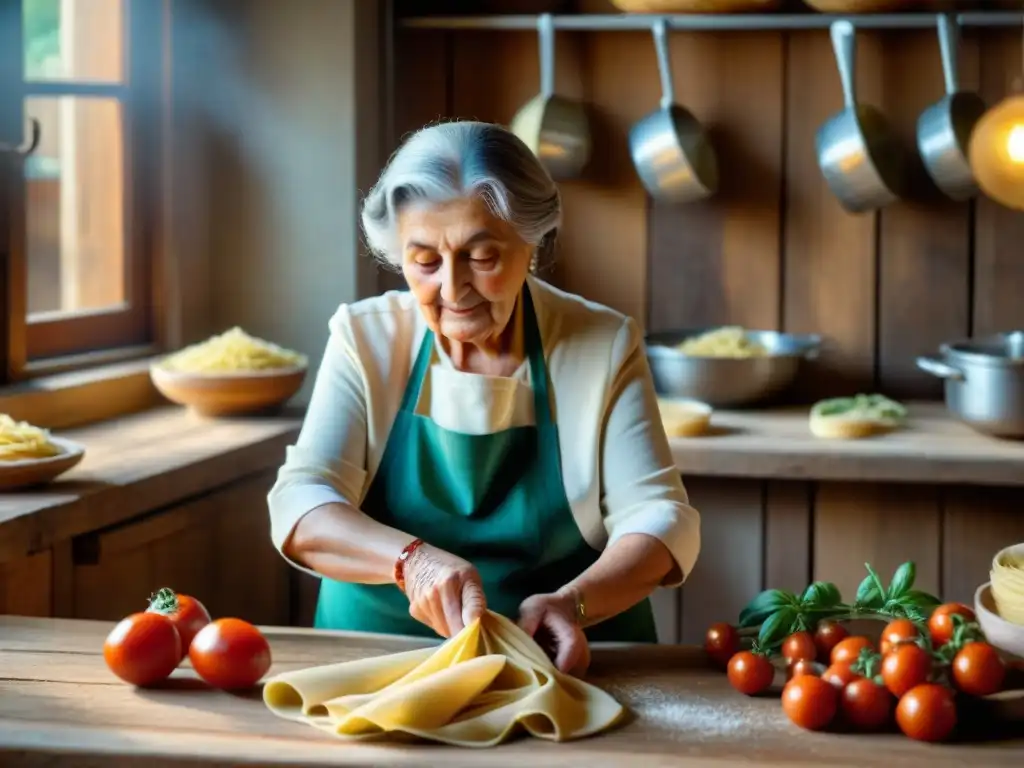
x: 551, y: 620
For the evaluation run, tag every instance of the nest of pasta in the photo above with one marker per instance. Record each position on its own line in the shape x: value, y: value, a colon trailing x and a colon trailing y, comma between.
x: 233, y: 352
x: 21, y: 441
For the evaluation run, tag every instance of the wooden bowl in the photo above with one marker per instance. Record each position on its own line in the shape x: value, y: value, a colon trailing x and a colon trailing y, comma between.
x: 697, y: 6
x: 1002, y: 634
x: 228, y: 394
x: 24, y: 473
x: 865, y: 6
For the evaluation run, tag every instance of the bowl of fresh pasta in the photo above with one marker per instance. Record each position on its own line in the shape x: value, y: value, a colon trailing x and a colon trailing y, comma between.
x: 727, y: 366
x: 30, y: 455
x: 232, y: 373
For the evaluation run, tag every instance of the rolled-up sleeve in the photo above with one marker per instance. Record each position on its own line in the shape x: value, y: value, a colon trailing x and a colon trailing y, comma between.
x: 327, y: 463
x: 642, y: 491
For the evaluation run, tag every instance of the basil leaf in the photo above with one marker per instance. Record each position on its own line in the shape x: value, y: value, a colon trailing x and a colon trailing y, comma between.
x: 902, y: 580
x: 878, y: 582
x: 868, y: 595
x: 821, y: 594
x: 776, y: 627
x: 764, y: 605
x: 922, y: 600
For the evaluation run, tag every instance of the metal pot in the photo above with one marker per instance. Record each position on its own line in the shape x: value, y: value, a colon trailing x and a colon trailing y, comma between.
x: 984, y: 382
x: 728, y: 382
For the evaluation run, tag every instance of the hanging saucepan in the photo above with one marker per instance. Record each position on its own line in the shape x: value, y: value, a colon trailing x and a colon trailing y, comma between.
x: 671, y: 151
x: 556, y: 129
x: 858, y: 153
x: 944, y: 129
x: 984, y: 382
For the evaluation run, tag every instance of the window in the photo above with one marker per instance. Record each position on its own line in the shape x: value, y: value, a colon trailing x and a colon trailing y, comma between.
x: 77, y: 210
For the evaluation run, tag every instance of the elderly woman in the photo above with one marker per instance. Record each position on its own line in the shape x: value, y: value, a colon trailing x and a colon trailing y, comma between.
x: 484, y: 440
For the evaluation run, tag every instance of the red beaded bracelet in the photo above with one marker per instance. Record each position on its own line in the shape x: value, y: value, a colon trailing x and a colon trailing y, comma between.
x: 400, y: 562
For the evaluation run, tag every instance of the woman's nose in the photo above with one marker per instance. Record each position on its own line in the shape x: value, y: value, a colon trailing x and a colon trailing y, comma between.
x: 453, y: 281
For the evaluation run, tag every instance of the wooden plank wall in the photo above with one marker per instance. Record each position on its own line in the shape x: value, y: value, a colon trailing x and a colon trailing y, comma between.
x: 773, y: 250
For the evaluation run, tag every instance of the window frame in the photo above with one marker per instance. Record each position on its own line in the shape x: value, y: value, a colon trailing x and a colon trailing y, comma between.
x: 89, y: 338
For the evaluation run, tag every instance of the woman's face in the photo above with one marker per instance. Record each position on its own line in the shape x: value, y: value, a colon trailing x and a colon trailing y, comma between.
x: 464, y: 266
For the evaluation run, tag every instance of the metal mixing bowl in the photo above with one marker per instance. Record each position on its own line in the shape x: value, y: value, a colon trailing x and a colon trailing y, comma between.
x: 725, y: 382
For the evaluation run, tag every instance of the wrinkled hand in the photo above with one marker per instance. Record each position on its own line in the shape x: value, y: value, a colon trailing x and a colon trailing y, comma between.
x: 551, y: 620
x: 444, y: 591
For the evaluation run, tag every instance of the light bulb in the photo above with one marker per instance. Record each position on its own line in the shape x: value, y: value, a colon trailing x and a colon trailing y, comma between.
x: 1015, y: 144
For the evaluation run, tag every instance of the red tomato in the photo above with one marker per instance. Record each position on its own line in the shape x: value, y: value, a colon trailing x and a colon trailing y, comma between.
x: 940, y: 624
x: 721, y: 642
x: 927, y: 712
x: 849, y: 649
x: 750, y: 673
x: 802, y: 667
x: 143, y: 649
x: 230, y: 654
x: 810, y: 702
x: 906, y: 667
x: 866, y: 705
x: 978, y: 670
x: 896, y: 632
x: 840, y: 674
x: 826, y: 637
x: 799, y: 645
x: 187, y: 614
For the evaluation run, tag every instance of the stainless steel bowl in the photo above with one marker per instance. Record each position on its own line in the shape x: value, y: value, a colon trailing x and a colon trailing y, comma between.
x: 984, y: 382
x: 725, y: 382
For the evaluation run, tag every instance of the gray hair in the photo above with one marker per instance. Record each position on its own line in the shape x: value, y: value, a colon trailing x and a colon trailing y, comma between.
x: 458, y: 159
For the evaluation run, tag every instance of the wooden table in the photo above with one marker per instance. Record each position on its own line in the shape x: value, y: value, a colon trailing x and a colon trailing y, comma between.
x: 59, y: 705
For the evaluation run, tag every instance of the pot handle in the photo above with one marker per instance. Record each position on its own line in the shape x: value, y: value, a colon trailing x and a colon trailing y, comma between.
x: 940, y: 369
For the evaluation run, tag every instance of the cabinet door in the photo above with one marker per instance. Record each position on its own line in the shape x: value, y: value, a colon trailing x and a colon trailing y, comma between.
x: 26, y: 585
x: 216, y: 547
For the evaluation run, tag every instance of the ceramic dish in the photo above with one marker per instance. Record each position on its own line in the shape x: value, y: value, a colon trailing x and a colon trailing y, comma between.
x: 1005, y: 636
x: 683, y: 417
x: 25, y: 473
x: 228, y: 394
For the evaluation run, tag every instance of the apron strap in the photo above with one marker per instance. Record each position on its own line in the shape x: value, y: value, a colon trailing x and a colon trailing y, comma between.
x: 534, y: 353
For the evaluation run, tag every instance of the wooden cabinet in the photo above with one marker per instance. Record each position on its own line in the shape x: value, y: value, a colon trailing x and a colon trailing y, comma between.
x: 216, y: 547
x: 26, y: 585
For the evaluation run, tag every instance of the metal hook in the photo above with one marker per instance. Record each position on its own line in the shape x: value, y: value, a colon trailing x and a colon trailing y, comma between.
x: 33, y: 143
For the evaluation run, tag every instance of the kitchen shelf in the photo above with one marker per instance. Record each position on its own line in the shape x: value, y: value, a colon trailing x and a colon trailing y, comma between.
x: 713, y: 22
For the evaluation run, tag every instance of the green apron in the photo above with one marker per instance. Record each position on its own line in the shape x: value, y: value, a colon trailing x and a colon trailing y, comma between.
x: 496, y: 500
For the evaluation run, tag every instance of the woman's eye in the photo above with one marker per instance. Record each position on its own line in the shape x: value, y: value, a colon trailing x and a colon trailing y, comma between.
x: 486, y: 257
x: 428, y: 263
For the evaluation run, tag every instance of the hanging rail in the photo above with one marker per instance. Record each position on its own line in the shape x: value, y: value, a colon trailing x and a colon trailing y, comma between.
x: 716, y: 22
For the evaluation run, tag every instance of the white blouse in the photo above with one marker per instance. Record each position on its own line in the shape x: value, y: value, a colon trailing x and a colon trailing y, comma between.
x: 617, y: 467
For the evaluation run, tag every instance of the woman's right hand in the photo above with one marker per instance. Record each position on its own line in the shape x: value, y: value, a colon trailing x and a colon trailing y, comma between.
x: 444, y: 591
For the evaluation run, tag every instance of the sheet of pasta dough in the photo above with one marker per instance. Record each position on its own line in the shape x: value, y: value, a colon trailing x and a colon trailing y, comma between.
x: 475, y: 690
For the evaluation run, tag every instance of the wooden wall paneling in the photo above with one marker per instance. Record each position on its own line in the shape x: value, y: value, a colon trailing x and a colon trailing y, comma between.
x: 999, y: 231
x: 729, y: 571
x: 718, y: 261
x: 787, y: 535
x: 26, y: 585
x: 978, y: 522
x: 422, y: 71
x: 885, y: 525
x: 924, y: 240
x: 829, y: 285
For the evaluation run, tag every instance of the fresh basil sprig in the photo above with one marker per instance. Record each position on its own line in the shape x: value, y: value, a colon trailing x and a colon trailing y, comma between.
x: 779, y: 613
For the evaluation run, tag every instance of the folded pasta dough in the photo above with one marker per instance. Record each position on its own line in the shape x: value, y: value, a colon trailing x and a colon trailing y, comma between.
x: 475, y: 690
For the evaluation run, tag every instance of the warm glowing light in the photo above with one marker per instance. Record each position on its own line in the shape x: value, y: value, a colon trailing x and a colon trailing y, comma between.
x: 1015, y: 144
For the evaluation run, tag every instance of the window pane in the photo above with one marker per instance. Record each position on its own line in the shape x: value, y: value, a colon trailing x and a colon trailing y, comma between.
x: 80, y: 40
x: 75, y: 194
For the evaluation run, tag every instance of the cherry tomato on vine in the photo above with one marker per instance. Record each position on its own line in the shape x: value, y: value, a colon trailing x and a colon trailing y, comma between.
x: 186, y: 613
x: 927, y: 712
x: 840, y: 674
x: 908, y: 666
x: 896, y: 632
x: 977, y: 669
x: 866, y: 705
x: 826, y: 637
x: 849, y: 649
x: 230, y: 654
x: 750, y: 673
x: 810, y: 702
x: 721, y: 642
x: 940, y: 624
x: 143, y: 649
x: 802, y: 667
x: 799, y: 645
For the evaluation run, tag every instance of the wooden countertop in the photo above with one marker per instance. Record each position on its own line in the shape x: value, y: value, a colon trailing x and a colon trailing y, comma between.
x: 777, y: 444
x: 59, y: 705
